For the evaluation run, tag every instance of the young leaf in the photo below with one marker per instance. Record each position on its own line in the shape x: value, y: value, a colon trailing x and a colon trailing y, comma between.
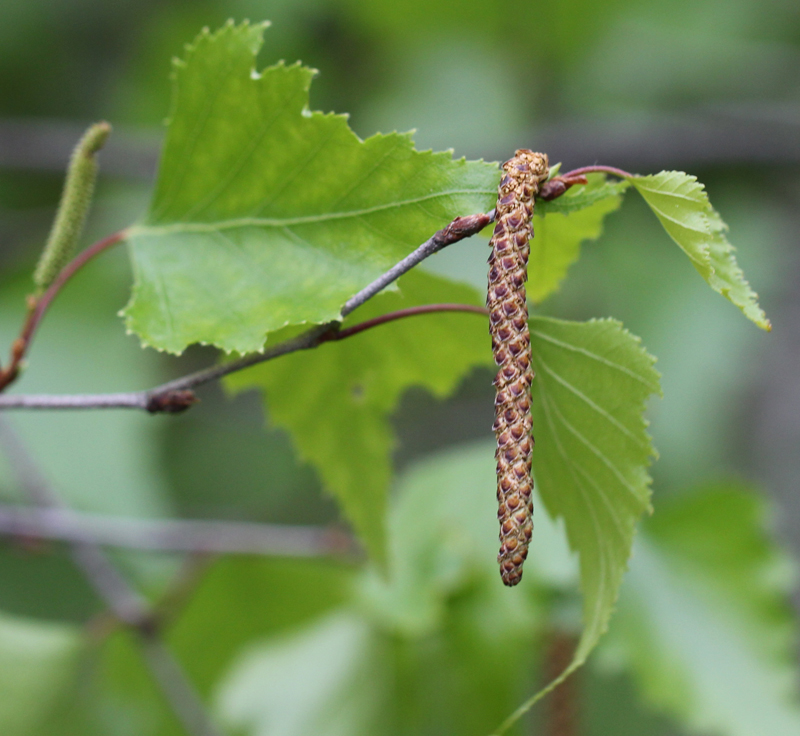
x: 592, y: 382
x: 704, y: 620
x: 335, y: 401
x: 681, y: 204
x: 562, y: 225
x: 266, y: 214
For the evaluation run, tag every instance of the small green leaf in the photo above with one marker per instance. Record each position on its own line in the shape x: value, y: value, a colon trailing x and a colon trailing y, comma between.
x: 592, y: 383
x: 681, y: 204
x: 335, y: 401
x: 266, y: 214
x: 562, y: 225
x: 705, y: 623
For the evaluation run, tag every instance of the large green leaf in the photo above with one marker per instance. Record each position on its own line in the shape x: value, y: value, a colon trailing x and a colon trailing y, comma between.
x: 38, y: 666
x: 681, y: 204
x: 705, y: 622
x: 592, y: 382
x: 335, y: 401
x: 562, y: 225
x: 266, y: 214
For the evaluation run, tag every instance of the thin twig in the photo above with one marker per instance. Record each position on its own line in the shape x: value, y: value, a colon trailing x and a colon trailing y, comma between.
x: 174, y: 535
x: 123, y: 600
x: 177, y: 689
x: 176, y: 395
x: 407, y: 312
x: 38, y: 306
x: 598, y: 169
x: 458, y: 229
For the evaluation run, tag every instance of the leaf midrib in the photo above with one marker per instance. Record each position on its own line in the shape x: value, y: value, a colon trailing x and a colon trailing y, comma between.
x: 207, y: 227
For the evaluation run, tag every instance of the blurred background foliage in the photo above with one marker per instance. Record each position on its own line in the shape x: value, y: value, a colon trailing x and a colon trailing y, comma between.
x: 710, y: 86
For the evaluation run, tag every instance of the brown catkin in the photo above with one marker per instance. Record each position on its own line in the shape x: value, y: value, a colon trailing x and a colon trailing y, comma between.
x: 511, y: 344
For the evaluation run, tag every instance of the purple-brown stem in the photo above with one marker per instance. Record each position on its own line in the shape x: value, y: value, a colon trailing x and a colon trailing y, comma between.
x: 402, y: 314
x: 37, y: 307
x: 597, y: 169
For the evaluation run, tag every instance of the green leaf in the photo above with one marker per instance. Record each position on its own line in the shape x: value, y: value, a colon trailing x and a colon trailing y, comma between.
x: 266, y: 214
x: 243, y: 599
x: 704, y: 621
x: 335, y: 401
x: 324, y: 680
x: 38, y: 664
x: 562, y: 225
x: 592, y: 382
x: 681, y: 204
x: 442, y: 533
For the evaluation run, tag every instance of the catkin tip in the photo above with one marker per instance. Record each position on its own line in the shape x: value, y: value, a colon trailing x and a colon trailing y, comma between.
x: 94, y: 138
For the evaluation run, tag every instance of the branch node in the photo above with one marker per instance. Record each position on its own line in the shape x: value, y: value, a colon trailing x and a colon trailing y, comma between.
x: 556, y: 186
x: 171, y: 402
x: 460, y: 228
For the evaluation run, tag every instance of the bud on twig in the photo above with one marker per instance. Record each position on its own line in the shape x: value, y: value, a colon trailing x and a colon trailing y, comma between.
x: 76, y: 199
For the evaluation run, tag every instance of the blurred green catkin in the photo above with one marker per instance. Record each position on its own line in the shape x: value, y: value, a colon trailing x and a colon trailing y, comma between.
x: 76, y: 199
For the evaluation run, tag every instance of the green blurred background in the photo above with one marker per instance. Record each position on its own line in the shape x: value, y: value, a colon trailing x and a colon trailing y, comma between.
x: 708, y: 86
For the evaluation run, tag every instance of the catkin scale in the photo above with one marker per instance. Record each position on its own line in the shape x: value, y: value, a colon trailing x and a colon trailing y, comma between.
x: 511, y: 345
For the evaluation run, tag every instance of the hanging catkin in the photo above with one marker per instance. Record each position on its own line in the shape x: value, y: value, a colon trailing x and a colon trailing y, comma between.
x: 511, y: 344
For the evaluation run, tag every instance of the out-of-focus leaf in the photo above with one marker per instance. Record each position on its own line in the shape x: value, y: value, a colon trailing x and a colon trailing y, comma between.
x: 593, y: 380
x: 105, y: 462
x: 704, y: 620
x: 561, y: 226
x: 443, y: 540
x: 38, y: 664
x: 335, y: 401
x: 429, y: 650
x: 266, y: 214
x: 681, y: 204
x: 325, y: 681
x: 241, y: 599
